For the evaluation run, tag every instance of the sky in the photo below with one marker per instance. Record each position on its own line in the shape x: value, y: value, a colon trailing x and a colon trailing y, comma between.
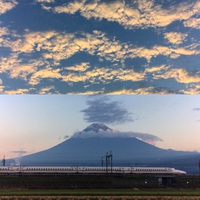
x: 32, y: 123
x: 99, y: 47
x: 57, y: 57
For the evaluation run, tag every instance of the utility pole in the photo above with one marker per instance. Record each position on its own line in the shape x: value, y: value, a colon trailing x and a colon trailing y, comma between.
x: 102, y: 161
x: 4, y: 161
x: 199, y: 166
x: 110, y: 157
x: 109, y: 161
x: 106, y: 163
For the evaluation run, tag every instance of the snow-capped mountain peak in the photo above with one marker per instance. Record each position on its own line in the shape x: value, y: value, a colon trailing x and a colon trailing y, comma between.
x: 94, y: 130
x: 96, y: 127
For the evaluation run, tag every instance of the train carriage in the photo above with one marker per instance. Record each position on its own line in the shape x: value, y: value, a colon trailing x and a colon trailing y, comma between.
x: 87, y: 170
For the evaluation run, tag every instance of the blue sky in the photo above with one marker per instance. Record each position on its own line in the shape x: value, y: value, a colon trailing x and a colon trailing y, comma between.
x: 89, y: 47
x: 99, y: 46
x: 32, y: 123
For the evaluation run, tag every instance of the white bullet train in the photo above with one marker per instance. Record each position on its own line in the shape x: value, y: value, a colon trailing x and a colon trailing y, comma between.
x: 88, y: 170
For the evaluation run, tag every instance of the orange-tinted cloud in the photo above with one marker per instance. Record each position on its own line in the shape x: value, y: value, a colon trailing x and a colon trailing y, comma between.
x: 17, y: 91
x: 175, y: 38
x: 5, y: 6
x: 132, y: 14
x: 44, y: 74
x: 180, y: 75
x: 193, y: 23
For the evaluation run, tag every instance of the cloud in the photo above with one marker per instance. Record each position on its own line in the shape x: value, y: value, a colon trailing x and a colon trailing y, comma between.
x: 157, y: 69
x: 88, y: 92
x: 7, y: 5
x: 102, y: 110
x: 79, y: 67
x: 3, y: 32
x: 45, y: 1
x: 19, y: 152
x: 192, y: 23
x: 66, y: 137
x: 142, y: 90
x: 48, y: 90
x: 71, y: 7
x: 17, y: 91
x: 196, y: 109
x: 156, y: 50
x: 181, y: 76
x: 44, y: 74
x: 146, y: 137
x: 191, y: 89
x: 53, y: 47
x: 175, y: 38
x: 132, y: 14
x: 1, y: 89
x: 1, y: 86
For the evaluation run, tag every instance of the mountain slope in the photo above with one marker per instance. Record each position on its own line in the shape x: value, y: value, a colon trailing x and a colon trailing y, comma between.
x: 84, y: 150
x: 91, y: 150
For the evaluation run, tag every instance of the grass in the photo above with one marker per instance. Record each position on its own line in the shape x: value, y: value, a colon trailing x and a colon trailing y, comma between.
x: 100, y: 192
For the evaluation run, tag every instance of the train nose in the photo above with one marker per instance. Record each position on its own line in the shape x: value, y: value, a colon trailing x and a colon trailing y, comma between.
x: 182, y: 172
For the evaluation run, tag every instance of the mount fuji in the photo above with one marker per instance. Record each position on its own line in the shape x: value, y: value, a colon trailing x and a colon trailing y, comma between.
x: 87, y: 147
x: 97, y: 128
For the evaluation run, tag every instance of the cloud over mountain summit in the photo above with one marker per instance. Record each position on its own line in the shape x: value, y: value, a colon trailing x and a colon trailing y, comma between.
x: 102, y: 110
x: 102, y: 131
